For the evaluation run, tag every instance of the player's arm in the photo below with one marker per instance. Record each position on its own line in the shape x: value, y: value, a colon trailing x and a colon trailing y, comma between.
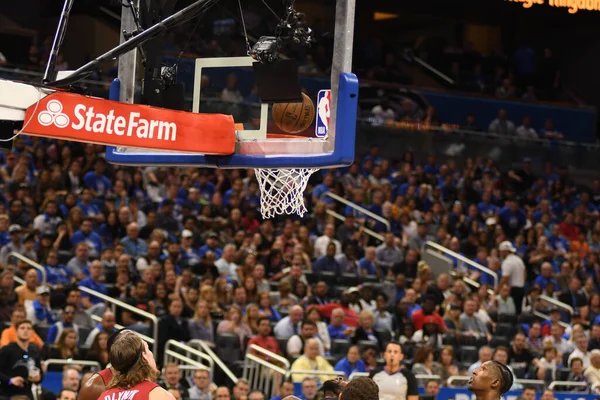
x: 92, y: 389
x: 158, y: 393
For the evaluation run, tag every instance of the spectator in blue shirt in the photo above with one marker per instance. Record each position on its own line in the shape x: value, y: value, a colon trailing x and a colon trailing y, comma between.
x: 368, y: 264
x: 327, y: 262
x: 212, y: 245
x: 512, y: 219
x: 68, y: 316
x: 337, y: 329
x: 546, y: 276
x: 56, y: 274
x: 206, y: 188
x: 322, y: 188
x: 96, y: 181
x: 93, y: 282
x: 88, y: 208
x: 133, y: 245
x: 352, y: 362
x: 86, y: 234
x: 41, y: 306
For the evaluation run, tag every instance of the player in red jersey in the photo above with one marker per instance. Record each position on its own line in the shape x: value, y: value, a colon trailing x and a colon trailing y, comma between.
x: 93, y: 388
x: 134, y: 372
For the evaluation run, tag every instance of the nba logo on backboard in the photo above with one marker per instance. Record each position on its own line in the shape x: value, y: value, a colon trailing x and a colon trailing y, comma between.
x: 323, y: 113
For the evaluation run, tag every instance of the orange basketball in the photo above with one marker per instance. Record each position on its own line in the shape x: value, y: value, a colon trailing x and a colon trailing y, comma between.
x: 294, y: 117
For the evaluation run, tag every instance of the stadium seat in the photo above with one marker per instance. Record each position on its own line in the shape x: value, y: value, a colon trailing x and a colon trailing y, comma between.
x: 371, y: 278
x: 339, y: 347
x: 312, y: 277
x: 228, y: 347
x: 349, y: 280
x: 283, y: 346
x: 384, y: 335
x: 505, y: 329
x: 520, y: 372
x: 510, y: 318
x: 83, y: 334
x: 469, y: 354
x: 42, y: 331
x: 329, y: 277
x: 562, y: 374
x: 499, y: 341
x: 449, y: 339
x: 366, y: 343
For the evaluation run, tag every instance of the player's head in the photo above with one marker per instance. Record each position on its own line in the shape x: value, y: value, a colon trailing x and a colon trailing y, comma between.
x: 491, y: 376
x: 360, y: 389
x: 134, y: 362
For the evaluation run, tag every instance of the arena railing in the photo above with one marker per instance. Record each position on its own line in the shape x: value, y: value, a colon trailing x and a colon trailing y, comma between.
x: 118, y: 303
x: 20, y: 281
x: 84, y: 363
x: 465, y: 379
x: 145, y: 338
x: 314, y: 373
x: 360, y: 209
x: 463, y: 259
x: 30, y: 262
x: 263, y: 375
x: 546, y: 316
x: 557, y: 303
x: 202, y: 346
x: 190, y: 365
x: 367, y: 231
x: 569, y: 384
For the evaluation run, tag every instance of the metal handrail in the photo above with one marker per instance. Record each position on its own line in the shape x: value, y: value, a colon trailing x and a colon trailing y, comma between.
x: 365, y: 230
x: 453, y: 378
x: 193, y: 363
x: 191, y: 351
x: 312, y: 372
x: 429, y: 377
x: 30, y: 262
x: 464, y: 259
x: 557, y: 303
x: 355, y: 375
x: 473, y: 283
x: 145, y: 338
x: 19, y: 280
x: 553, y: 384
x: 433, y: 70
x: 114, y: 302
x: 273, y: 356
x: 264, y: 363
x: 361, y: 209
x: 210, y: 353
x: 545, y: 316
x: 67, y: 362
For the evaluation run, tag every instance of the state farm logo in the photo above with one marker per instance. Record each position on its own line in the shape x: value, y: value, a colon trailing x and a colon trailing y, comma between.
x: 54, y: 115
x: 108, y: 121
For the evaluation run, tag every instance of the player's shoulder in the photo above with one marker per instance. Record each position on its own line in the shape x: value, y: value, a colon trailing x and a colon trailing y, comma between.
x: 407, y: 373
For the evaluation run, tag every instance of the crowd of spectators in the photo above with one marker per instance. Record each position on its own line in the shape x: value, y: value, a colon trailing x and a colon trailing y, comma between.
x: 528, y: 74
x: 188, y: 245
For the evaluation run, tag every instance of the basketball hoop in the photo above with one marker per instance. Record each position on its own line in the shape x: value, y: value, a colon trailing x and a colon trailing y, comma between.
x: 282, y: 189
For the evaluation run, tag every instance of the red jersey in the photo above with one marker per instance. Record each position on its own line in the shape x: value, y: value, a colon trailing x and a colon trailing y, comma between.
x: 106, y: 375
x: 418, y: 319
x: 350, y: 317
x: 141, y: 391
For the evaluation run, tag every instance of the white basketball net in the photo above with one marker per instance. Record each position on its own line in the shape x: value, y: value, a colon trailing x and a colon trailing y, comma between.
x: 282, y: 189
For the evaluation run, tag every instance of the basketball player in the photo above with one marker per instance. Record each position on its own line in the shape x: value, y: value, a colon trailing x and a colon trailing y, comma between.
x: 134, y: 372
x: 490, y: 381
x: 93, y: 388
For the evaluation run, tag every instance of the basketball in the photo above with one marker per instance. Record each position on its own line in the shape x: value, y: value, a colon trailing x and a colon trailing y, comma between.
x: 294, y: 117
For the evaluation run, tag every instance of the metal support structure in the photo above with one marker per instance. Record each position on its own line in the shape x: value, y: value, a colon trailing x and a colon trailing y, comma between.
x: 128, y: 65
x: 203, y: 346
x: 118, y: 303
x: 360, y: 209
x: 59, y: 36
x: 342, y: 54
x: 31, y: 263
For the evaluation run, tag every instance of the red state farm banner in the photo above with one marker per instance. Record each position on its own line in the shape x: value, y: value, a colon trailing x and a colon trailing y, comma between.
x: 70, y: 116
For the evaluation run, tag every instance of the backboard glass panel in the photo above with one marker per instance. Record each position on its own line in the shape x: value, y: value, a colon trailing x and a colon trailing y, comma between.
x: 254, y: 148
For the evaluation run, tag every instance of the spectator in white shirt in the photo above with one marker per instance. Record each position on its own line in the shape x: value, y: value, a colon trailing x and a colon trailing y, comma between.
x: 581, y: 351
x: 226, y: 265
x: 525, y: 130
x: 502, y: 126
x: 328, y: 237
